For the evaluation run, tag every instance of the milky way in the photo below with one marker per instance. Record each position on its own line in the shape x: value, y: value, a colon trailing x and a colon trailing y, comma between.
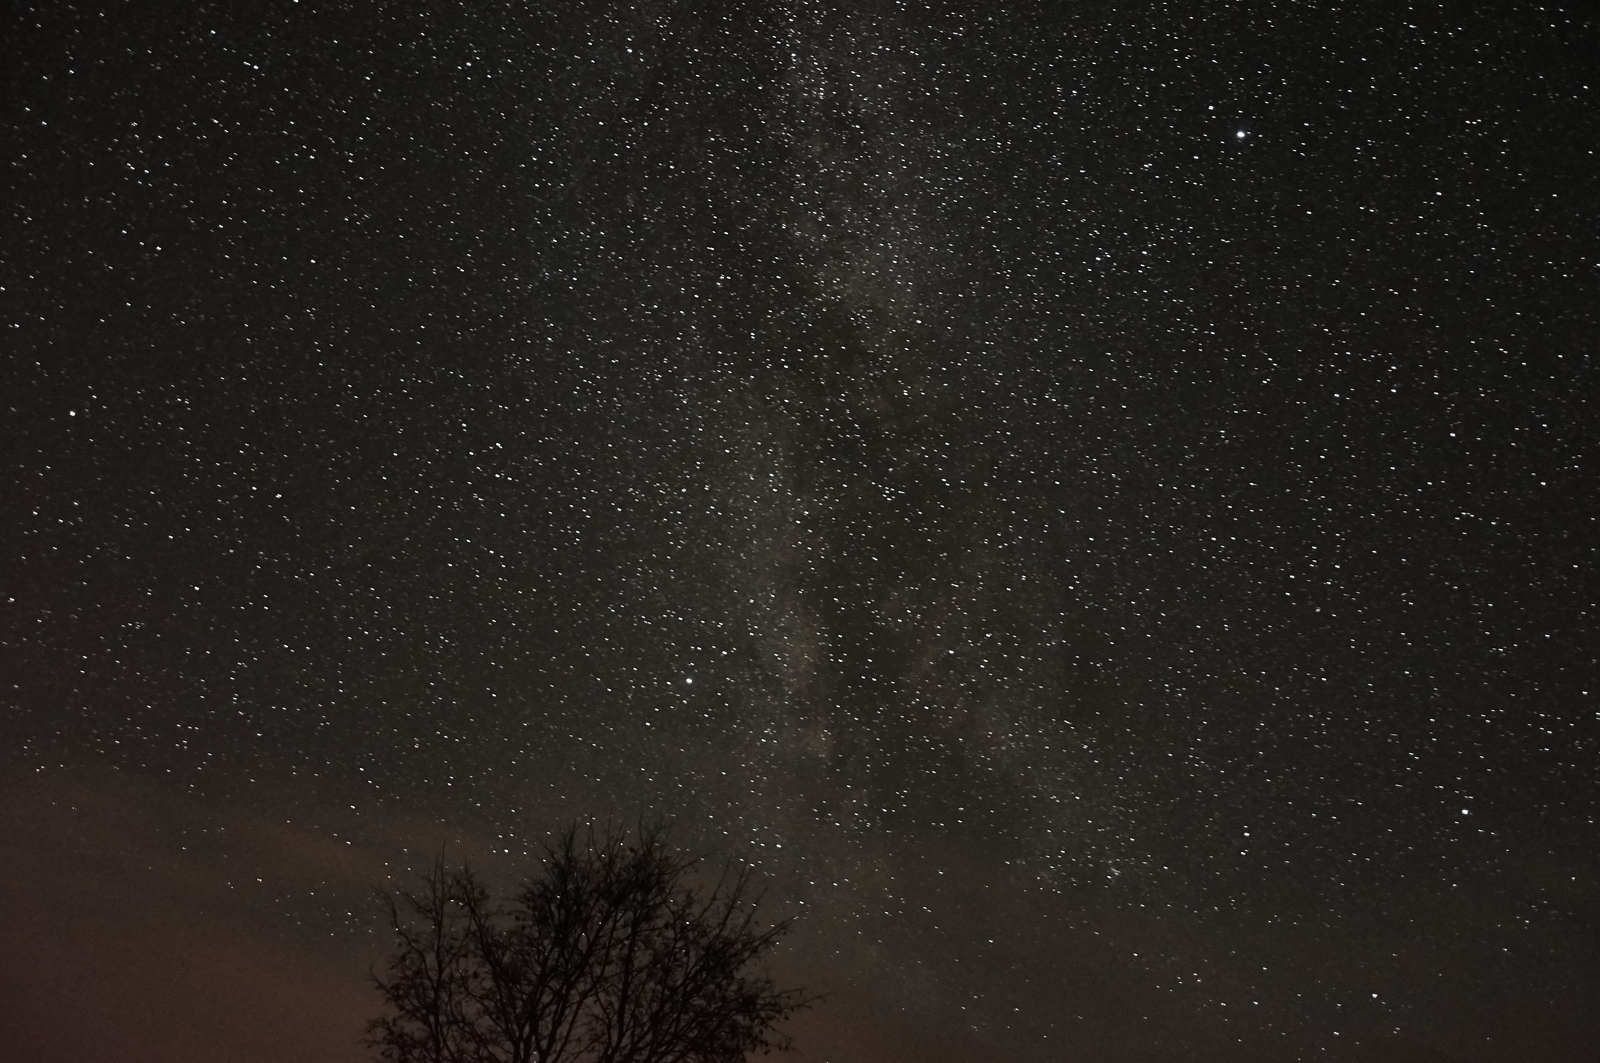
x: 1096, y: 505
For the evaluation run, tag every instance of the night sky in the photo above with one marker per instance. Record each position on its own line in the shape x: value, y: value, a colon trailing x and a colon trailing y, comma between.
x: 1096, y: 502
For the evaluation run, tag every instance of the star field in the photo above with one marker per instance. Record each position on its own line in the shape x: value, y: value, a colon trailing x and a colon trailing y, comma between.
x: 1095, y: 503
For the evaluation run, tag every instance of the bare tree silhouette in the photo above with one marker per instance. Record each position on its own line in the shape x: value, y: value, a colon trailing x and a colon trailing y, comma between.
x: 609, y: 953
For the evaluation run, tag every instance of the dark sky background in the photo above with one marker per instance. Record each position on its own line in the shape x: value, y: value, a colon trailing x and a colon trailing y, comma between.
x: 1096, y: 501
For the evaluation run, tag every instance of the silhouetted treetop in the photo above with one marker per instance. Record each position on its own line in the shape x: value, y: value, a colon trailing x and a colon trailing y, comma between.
x: 608, y: 953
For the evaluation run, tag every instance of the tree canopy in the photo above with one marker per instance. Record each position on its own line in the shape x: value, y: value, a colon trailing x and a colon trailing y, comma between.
x: 618, y: 948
